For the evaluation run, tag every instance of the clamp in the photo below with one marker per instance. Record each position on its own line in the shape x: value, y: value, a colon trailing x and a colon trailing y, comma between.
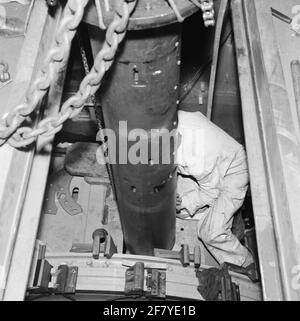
x: 155, y: 281
x: 102, y: 243
x: 183, y: 255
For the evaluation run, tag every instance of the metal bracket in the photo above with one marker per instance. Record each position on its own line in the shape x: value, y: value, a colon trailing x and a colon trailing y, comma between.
x: 102, y: 243
x: 183, y: 255
x: 66, y: 279
x: 42, y: 276
x: 59, y: 186
x: 155, y: 281
x: 134, y: 279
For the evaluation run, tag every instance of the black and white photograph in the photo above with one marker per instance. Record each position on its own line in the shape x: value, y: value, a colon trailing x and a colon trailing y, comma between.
x: 149, y: 154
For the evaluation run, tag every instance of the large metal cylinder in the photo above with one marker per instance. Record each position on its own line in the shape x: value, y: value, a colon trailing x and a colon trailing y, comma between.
x: 142, y: 89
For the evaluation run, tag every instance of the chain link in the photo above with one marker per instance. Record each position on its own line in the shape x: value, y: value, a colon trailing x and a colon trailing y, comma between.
x: 207, y: 7
x: 10, y: 129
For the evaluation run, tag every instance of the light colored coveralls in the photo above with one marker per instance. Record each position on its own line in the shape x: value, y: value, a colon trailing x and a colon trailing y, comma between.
x: 212, y: 183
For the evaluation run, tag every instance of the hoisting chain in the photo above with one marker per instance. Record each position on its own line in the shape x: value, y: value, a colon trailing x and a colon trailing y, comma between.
x: 10, y: 129
x: 207, y: 7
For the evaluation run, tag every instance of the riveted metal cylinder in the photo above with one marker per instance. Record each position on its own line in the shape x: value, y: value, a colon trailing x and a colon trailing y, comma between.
x: 142, y: 89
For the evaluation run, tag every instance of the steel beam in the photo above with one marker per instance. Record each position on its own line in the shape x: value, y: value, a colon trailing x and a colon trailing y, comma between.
x: 273, y: 148
x: 24, y: 172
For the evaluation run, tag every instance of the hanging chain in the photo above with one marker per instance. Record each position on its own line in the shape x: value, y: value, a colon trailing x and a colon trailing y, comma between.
x: 207, y: 7
x: 10, y: 129
x: 98, y: 113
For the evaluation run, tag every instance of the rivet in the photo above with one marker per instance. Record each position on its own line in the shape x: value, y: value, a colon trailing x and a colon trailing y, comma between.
x: 89, y: 262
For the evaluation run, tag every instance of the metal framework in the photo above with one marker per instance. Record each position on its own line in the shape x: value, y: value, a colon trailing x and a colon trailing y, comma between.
x: 24, y: 173
x: 272, y: 145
